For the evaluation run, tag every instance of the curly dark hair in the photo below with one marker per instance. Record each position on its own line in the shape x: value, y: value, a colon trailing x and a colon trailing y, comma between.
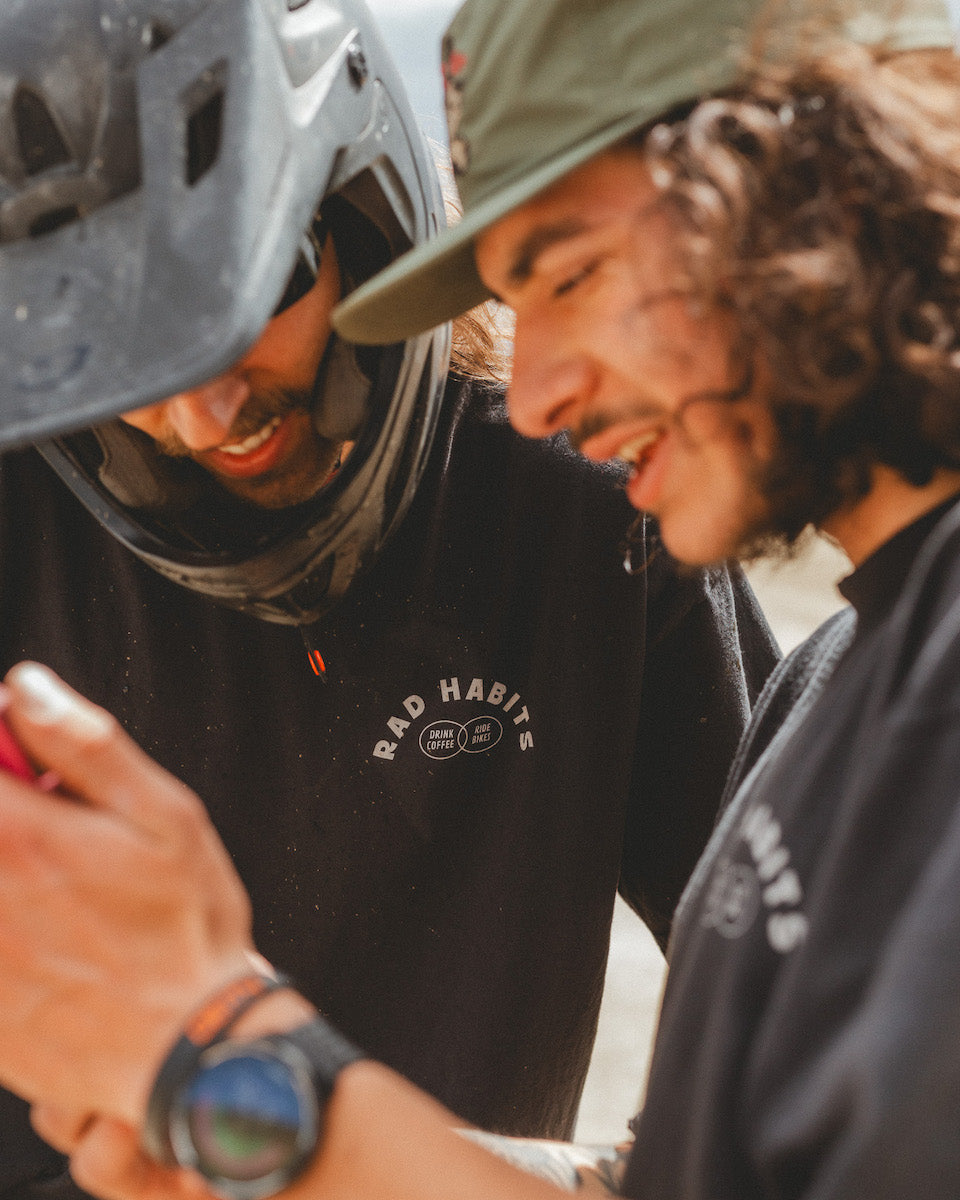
x: 820, y: 202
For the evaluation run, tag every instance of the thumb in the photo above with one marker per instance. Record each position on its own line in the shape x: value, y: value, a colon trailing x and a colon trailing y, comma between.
x: 94, y: 758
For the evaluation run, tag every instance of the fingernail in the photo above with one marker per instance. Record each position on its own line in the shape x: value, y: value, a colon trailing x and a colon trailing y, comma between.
x: 41, y: 694
x: 45, y: 699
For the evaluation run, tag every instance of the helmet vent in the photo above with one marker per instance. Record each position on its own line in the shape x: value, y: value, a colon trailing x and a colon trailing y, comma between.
x: 40, y: 143
x: 204, y: 104
x: 155, y: 35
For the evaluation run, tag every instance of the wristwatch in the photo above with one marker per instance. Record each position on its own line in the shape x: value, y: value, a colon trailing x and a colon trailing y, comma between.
x: 248, y: 1116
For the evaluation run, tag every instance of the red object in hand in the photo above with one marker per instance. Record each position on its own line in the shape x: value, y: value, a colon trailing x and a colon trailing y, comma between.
x: 13, y: 759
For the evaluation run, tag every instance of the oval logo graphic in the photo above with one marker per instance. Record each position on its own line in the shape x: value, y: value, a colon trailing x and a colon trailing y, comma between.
x: 733, y: 900
x: 482, y: 733
x: 442, y: 739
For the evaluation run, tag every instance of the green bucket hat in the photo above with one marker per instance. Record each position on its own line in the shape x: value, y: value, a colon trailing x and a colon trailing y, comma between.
x: 536, y: 88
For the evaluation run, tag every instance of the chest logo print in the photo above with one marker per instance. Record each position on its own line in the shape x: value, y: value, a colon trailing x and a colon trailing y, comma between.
x: 443, y: 734
x: 444, y: 739
x: 739, y: 890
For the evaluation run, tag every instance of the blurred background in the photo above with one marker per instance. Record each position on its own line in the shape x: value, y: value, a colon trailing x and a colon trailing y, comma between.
x: 412, y: 30
x: 796, y: 596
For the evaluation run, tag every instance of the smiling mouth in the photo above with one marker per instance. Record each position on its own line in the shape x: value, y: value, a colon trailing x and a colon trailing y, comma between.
x: 257, y: 454
x: 253, y: 442
x: 636, y: 450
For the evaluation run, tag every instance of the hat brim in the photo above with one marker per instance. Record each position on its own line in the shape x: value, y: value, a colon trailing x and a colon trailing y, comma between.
x: 438, y: 280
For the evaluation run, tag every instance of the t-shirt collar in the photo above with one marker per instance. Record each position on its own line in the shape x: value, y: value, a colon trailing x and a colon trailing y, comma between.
x: 874, y: 586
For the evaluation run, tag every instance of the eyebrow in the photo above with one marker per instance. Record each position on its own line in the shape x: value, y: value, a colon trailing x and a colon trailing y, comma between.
x: 535, y: 243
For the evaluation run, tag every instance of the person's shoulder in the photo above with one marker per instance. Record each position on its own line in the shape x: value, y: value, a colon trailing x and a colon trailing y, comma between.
x: 14, y: 463
x: 927, y: 606
x: 24, y: 473
x: 937, y: 565
x: 792, y: 687
x: 482, y: 401
x: 809, y: 663
x: 922, y: 633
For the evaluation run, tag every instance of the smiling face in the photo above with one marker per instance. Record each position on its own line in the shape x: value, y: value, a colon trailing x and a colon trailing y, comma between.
x: 251, y: 427
x: 610, y: 346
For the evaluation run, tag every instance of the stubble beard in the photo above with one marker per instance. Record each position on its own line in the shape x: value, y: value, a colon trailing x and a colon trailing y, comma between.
x: 297, y: 479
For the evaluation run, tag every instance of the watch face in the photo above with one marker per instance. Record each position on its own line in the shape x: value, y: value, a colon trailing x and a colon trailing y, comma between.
x: 248, y: 1119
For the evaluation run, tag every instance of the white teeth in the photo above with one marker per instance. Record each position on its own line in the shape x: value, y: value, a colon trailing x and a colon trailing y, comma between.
x: 254, y: 441
x: 630, y: 451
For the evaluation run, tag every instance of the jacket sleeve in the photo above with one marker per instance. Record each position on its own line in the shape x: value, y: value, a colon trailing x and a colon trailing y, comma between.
x: 852, y: 1084
x: 709, y: 651
x: 866, y: 1102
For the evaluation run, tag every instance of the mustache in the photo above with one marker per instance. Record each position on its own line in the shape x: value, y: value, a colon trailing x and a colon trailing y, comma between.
x: 594, y: 423
x: 263, y: 406
x: 655, y: 414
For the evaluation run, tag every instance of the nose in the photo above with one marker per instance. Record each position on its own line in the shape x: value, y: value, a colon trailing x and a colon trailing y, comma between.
x: 203, y: 416
x: 549, y: 381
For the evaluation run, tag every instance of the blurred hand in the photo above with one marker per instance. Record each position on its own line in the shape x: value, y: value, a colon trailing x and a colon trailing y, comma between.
x: 107, y: 1161
x: 120, y: 911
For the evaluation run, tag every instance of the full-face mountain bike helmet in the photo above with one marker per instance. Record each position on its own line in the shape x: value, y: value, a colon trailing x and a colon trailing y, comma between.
x: 160, y: 164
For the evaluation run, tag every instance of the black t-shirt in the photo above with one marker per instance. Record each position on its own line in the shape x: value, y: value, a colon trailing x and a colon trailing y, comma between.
x: 810, y: 1038
x: 433, y: 839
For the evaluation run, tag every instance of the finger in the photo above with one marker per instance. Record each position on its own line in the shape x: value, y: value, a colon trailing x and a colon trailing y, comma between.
x: 61, y: 1127
x: 110, y: 1163
x: 91, y: 753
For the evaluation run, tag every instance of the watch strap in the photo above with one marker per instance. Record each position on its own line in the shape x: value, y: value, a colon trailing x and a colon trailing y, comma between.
x: 209, y: 1024
x: 325, y: 1048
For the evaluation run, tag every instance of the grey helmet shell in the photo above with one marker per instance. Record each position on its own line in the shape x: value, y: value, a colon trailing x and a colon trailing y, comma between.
x: 160, y: 161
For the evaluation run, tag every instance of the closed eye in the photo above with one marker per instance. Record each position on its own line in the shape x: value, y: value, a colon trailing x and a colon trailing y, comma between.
x: 574, y: 280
